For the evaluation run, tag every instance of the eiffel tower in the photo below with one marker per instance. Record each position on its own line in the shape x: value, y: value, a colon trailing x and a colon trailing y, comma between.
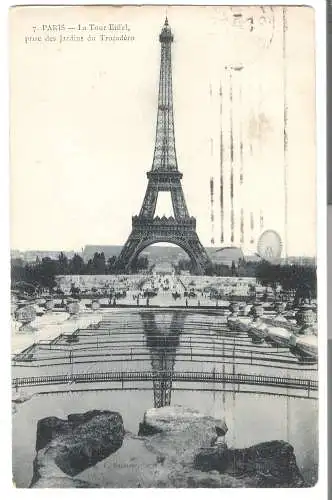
x: 164, y: 176
x: 162, y: 346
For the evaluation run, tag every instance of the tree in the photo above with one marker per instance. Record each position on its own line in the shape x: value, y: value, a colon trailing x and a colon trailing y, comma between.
x: 111, y: 265
x: 18, y: 271
x: 234, y: 269
x: 140, y: 263
x: 291, y: 277
x: 89, y: 267
x: 76, y: 265
x: 99, y: 263
x: 45, y: 273
x: 267, y: 274
x: 184, y: 265
x: 63, y: 264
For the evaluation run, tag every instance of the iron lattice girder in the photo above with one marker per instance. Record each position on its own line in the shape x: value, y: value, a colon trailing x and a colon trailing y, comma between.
x: 164, y: 176
x: 162, y: 345
x: 163, y: 226
x: 165, y: 152
x: 163, y: 366
x: 145, y: 232
x: 160, y: 176
x: 164, y: 186
x: 166, y: 183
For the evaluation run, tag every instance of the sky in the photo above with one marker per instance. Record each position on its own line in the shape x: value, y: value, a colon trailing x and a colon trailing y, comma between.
x: 83, y: 116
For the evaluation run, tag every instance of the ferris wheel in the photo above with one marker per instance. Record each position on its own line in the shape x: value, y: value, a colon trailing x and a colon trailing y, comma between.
x: 269, y: 245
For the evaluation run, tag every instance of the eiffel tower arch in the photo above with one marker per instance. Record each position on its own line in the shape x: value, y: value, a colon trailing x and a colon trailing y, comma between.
x: 164, y: 176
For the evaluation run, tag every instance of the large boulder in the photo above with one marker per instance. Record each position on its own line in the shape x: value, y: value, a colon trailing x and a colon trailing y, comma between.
x: 163, y: 455
x: 268, y: 464
x: 171, y: 419
x: 189, y: 454
x: 48, y: 475
x: 178, y: 433
x: 176, y: 448
x: 67, y: 447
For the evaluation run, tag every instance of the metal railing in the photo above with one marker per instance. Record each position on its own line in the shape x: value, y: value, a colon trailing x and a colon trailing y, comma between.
x: 227, y: 378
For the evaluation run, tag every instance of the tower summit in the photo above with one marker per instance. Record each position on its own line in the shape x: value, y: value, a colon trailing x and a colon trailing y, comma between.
x: 164, y: 152
x: 164, y: 176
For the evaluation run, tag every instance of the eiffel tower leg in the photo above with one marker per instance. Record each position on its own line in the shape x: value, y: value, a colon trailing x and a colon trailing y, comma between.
x: 149, y: 202
x: 127, y: 253
x: 178, y: 202
x: 197, y: 253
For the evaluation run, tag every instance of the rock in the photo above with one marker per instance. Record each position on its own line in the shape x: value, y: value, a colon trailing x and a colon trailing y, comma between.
x: 209, y: 459
x: 269, y: 464
x: 172, y: 418
x: 67, y: 447
x: 213, y: 479
x: 177, y: 434
x: 175, y: 449
x: 48, y: 475
x: 221, y: 427
x: 183, y: 441
x: 48, y: 429
x: 162, y: 456
x: 63, y: 482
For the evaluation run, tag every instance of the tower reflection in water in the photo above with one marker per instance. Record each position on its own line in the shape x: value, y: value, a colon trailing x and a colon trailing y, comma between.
x: 162, y: 344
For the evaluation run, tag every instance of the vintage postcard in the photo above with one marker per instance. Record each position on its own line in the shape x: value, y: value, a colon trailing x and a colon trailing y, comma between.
x: 164, y: 246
